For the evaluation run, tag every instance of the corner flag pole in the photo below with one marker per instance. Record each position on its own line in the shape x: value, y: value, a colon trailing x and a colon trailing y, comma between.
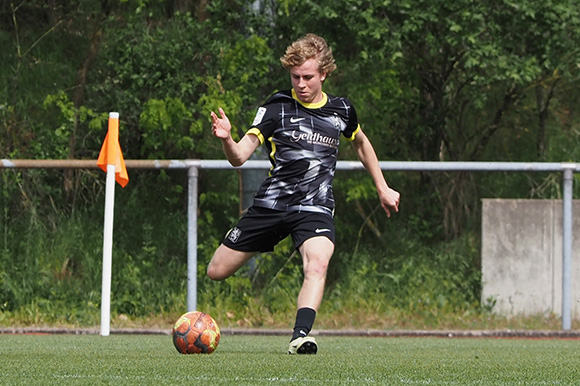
x: 111, y: 161
x: 107, y: 251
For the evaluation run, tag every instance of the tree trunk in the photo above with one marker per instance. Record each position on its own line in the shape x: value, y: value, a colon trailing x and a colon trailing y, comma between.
x: 70, y: 175
x: 543, y: 105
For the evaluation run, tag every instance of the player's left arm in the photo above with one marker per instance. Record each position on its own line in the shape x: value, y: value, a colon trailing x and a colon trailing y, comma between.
x: 388, y: 197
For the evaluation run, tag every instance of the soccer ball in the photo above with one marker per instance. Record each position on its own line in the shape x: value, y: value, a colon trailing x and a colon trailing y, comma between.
x: 196, y: 333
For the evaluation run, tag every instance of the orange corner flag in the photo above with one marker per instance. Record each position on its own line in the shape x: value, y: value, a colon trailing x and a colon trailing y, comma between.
x: 111, y: 153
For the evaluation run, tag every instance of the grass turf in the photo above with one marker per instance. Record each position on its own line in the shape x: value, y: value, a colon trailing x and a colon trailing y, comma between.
x: 257, y: 360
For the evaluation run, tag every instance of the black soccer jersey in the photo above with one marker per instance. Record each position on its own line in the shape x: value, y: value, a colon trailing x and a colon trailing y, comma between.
x: 302, y: 140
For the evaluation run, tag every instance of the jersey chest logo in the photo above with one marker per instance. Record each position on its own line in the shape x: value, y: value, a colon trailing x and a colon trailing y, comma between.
x: 296, y: 120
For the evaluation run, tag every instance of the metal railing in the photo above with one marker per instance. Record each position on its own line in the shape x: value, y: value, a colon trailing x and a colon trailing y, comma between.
x: 193, y: 166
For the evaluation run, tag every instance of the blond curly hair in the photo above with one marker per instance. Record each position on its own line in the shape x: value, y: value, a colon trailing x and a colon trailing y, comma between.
x: 309, y: 46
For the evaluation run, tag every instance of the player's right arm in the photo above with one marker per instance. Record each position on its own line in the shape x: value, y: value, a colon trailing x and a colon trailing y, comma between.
x: 237, y: 153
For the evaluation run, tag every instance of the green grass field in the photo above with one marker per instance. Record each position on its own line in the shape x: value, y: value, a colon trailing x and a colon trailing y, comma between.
x: 260, y: 360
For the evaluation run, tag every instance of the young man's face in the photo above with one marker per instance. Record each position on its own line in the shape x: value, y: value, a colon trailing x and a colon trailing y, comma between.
x: 307, y: 81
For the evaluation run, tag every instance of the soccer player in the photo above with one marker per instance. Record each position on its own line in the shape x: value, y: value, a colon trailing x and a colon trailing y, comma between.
x: 301, y: 128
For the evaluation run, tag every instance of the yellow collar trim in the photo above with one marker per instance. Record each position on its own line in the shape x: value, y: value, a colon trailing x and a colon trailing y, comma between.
x: 311, y: 105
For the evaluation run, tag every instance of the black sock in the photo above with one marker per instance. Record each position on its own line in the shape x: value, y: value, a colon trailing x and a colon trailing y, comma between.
x: 304, y: 321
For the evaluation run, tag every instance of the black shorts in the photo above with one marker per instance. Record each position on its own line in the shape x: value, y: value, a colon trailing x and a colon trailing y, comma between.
x: 260, y: 229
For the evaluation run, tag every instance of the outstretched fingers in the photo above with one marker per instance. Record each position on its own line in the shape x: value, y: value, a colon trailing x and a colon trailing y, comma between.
x: 220, y: 125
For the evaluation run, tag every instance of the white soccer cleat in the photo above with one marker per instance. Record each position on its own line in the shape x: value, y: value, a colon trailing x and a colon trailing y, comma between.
x: 303, y: 345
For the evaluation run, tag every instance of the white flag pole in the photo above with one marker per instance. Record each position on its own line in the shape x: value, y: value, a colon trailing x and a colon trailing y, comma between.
x: 108, y: 246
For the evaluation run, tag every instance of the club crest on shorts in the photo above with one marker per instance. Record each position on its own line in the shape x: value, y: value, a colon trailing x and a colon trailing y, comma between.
x: 234, y: 234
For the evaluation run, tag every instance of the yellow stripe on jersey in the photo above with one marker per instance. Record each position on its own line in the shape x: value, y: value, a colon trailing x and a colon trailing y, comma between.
x: 257, y: 133
x: 351, y: 138
x: 271, y: 139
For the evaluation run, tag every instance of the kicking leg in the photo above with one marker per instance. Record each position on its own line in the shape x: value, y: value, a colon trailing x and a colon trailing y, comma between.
x: 226, y: 261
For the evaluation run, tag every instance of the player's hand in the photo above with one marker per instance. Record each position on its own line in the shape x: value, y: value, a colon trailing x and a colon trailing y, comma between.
x: 220, y: 126
x: 390, y: 201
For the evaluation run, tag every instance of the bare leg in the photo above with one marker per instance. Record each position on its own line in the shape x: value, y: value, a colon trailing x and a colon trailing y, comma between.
x: 226, y: 261
x: 316, y: 253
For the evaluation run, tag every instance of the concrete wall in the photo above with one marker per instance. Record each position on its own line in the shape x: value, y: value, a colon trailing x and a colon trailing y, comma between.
x: 521, y: 256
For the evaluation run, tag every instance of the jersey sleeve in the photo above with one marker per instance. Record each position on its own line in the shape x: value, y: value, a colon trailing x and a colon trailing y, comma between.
x: 352, y: 125
x: 266, y: 120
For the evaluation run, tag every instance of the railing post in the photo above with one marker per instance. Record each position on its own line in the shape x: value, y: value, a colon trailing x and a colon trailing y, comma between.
x: 192, y: 179
x: 567, y: 249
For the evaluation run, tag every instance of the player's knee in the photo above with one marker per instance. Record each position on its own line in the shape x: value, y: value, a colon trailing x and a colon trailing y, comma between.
x: 214, y: 272
x: 316, y: 267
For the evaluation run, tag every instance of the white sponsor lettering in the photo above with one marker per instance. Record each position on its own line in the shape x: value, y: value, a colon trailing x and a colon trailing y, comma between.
x: 315, y: 138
